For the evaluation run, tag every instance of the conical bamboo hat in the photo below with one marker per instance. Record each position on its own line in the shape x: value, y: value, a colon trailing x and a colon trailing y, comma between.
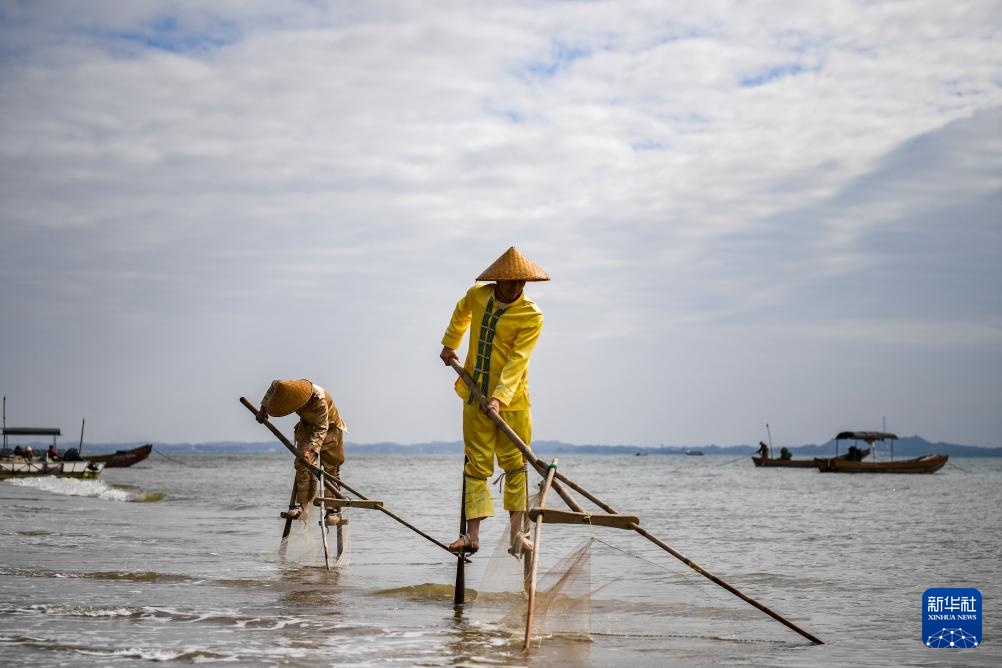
x: 513, y: 266
x: 288, y: 396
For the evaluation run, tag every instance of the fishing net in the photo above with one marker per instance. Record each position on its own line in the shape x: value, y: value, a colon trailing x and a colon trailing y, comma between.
x: 613, y: 583
x: 305, y: 546
x: 562, y: 604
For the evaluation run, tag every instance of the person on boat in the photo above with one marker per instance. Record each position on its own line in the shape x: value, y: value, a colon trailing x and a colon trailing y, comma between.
x: 52, y: 453
x: 28, y: 453
x: 18, y: 451
x: 319, y: 433
x: 854, y: 454
x: 505, y: 328
x: 763, y: 450
x: 785, y: 453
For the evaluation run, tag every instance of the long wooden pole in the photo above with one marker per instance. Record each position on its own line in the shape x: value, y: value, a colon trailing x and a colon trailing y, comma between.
x: 537, y: 464
x: 536, y: 540
x: 333, y: 479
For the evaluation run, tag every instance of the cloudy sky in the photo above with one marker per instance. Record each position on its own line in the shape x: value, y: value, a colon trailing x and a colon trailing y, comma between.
x: 753, y: 212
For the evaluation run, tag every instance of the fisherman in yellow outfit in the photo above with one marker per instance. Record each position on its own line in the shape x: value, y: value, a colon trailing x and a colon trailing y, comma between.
x: 319, y: 432
x: 505, y: 328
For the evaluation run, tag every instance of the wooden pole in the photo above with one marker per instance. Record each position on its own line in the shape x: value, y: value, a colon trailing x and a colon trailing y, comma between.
x: 323, y: 517
x: 537, y: 463
x: 333, y: 479
x: 288, y: 520
x: 80, y: 447
x: 533, y: 569
x: 459, y: 597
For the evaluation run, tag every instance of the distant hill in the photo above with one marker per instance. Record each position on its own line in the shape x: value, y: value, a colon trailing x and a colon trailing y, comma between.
x: 909, y: 446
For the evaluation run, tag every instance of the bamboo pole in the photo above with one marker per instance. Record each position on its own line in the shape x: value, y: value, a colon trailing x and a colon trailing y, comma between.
x: 537, y: 463
x: 536, y: 540
x: 333, y: 479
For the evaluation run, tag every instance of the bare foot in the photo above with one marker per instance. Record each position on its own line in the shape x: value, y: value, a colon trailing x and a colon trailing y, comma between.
x: 521, y: 544
x: 464, y: 545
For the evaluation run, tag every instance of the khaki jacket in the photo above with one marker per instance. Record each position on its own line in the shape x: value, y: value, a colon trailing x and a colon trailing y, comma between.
x: 319, y: 421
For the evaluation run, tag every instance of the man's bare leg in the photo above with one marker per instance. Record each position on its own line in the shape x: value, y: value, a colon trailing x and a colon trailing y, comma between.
x: 518, y: 539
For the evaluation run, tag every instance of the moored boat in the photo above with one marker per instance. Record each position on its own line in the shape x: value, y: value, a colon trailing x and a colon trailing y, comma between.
x: 24, y: 463
x: 923, y: 464
x: 123, y: 458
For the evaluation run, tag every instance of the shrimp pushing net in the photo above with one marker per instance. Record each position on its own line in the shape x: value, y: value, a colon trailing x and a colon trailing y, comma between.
x: 305, y: 546
x: 593, y: 581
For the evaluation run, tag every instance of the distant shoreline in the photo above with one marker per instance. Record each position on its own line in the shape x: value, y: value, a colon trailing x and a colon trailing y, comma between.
x: 910, y: 446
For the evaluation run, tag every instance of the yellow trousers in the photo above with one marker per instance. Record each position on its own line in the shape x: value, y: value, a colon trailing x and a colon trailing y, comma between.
x: 484, y: 441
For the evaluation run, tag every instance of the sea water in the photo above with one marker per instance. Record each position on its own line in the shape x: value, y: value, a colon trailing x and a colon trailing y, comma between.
x: 177, y: 561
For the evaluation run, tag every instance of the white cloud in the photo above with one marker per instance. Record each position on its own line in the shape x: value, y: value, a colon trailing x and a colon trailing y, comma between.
x: 240, y: 183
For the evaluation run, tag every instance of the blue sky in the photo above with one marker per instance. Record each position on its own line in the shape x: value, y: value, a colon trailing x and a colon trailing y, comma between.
x: 752, y: 212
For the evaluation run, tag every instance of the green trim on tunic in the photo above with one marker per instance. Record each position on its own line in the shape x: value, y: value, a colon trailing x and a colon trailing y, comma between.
x: 485, y: 347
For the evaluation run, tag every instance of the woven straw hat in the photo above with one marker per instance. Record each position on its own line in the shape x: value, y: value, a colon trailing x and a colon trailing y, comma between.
x: 288, y: 396
x: 513, y: 266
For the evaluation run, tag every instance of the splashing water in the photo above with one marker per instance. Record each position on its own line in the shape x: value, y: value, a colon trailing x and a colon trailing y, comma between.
x: 92, y: 488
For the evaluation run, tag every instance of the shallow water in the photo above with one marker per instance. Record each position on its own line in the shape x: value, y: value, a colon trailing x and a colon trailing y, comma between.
x: 177, y: 560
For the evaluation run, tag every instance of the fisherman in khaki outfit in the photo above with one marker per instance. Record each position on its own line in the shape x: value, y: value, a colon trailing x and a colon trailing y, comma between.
x: 505, y: 328
x: 319, y: 432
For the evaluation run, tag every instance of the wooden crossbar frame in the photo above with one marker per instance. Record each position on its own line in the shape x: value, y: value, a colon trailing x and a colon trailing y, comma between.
x: 368, y: 504
x: 557, y: 516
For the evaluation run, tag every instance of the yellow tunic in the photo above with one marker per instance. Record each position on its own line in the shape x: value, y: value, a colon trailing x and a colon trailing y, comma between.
x: 502, y: 338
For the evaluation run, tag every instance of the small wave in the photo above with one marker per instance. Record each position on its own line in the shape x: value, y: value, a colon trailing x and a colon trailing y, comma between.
x: 73, y: 611
x: 426, y: 591
x: 138, y: 576
x: 92, y: 488
x: 161, y: 655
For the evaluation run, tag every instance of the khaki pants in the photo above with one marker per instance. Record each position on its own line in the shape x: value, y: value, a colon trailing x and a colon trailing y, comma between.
x: 331, y: 459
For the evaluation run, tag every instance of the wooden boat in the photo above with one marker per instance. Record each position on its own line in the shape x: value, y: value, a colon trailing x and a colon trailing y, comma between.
x: 783, y: 463
x: 788, y: 462
x: 13, y: 465
x: 122, y: 458
x: 797, y: 463
x: 923, y: 464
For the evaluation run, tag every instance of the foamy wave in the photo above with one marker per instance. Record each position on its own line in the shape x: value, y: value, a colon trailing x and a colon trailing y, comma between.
x: 74, y: 487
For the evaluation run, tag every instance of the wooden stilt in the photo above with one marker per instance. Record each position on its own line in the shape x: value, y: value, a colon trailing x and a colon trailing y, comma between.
x: 534, y: 558
x: 288, y: 520
x: 558, y: 478
x: 459, y: 596
x: 323, y: 519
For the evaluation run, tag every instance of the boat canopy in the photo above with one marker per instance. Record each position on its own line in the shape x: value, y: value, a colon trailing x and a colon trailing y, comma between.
x: 32, y: 431
x: 868, y: 436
